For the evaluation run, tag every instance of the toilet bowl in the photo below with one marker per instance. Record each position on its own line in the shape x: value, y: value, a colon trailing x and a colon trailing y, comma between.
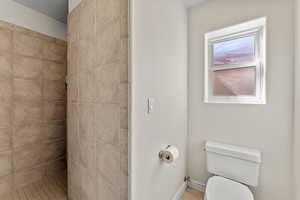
x: 219, y: 188
x: 234, y: 168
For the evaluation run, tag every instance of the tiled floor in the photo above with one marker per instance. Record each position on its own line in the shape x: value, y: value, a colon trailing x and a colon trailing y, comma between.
x: 192, y: 194
x: 55, y: 188
x: 49, y: 188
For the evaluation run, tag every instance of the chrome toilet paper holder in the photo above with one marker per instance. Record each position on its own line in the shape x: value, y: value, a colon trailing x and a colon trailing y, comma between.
x: 161, y: 154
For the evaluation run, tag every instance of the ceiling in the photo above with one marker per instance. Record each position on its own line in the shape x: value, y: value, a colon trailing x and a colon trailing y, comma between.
x: 56, y: 9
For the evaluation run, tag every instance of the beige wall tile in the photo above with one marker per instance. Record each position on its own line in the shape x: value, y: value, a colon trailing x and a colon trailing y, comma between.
x: 89, y: 186
x: 27, y: 110
x: 5, y: 112
x: 54, y: 71
x: 54, y: 132
x: 72, y: 88
x: 54, y: 90
x: 108, y: 162
x: 100, y: 87
x: 74, y: 181
x: 5, y: 75
x: 124, y: 187
x: 124, y: 150
x: 5, y: 139
x: 6, y: 25
x: 86, y: 121
x: 26, y: 67
x: 124, y: 61
x: 6, y: 87
x: 26, y: 177
x: 86, y: 86
x: 107, y: 79
x: 73, y: 26
x: 52, y: 150
x: 25, y: 133
x: 5, y: 185
x: 30, y: 89
x: 124, y: 26
x: 28, y: 156
x: 56, y: 166
x: 42, y: 36
x: 54, y: 111
x: 73, y: 132
x: 86, y: 55
x: 24, y: 70
x: 22, y: 30
x: 6, y: 65
x: 27, y: 45
x: 123, y: 136
x: 123, y: 90
x: 123, y: 72
x: 105, y: 190
x: 61, y: 42
x: 110, y: 11
x: 31, y: 33
x: 54, y: 52
x: 8, y: 196
x: 109, y: 43
x: 107, y: 123
x: 74, y: 52
x: 5, y: 163
x: 5, y: 40
x: 87, y: 21
x: 86, y: 134
x: 124, y: 18
x: 124, y: 118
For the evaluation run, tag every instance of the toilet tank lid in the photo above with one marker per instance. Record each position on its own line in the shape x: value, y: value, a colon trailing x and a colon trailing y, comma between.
x: 239, y: 152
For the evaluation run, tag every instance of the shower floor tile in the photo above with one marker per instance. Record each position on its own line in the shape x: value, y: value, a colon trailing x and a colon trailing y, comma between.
x: 49, y: 188
x: 191, y: 194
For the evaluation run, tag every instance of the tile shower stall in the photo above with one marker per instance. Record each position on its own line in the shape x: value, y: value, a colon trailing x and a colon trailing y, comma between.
x: 97, y: 100
x: 32, y: 107
x: 64, y: 108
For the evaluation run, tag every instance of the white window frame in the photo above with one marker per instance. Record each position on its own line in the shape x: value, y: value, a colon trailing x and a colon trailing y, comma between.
x: 255, y: 28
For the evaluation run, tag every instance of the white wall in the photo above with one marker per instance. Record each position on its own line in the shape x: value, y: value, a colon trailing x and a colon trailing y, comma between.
x: 73, y: 4
x: 266, y: 127
x: 159, y: 70
x: 20, y: 15
x: 297, y: 104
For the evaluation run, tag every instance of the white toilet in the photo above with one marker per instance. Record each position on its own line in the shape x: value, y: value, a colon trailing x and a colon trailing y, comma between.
x: 233, y: 168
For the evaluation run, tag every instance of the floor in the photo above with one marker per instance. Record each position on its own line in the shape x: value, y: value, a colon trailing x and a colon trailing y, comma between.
x: 49, y: 188
x: 55, y: 188
x: 192, y: 194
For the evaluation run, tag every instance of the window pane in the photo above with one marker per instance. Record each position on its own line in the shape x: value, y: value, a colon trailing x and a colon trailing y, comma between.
x: 237, y: 51
x: 234, y: 82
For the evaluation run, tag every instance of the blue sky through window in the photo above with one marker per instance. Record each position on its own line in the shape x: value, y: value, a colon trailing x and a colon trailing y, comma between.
x: 237, y: 51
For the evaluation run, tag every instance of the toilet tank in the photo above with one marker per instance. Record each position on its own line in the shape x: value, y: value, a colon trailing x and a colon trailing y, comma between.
x: 233, y: 162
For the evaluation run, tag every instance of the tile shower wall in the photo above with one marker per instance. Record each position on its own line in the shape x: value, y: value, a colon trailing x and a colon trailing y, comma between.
x: 32, y: 106
x: 97, y: 100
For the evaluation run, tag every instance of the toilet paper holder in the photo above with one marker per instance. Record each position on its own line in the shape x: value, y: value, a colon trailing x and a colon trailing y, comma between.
x: 161, y: 154
x: 169, y: 154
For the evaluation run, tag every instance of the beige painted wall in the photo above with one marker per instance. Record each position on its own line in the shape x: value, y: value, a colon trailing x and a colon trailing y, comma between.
x: 266, y: 127
x: 159, y: 71
x: 98, y: 101
x: 32, y: 106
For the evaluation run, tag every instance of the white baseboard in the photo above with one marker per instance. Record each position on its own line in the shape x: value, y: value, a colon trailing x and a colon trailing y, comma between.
x: 196, y: 185
x: 180, y: 192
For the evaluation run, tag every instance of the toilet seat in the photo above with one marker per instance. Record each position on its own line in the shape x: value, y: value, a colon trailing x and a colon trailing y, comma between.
x: 219, y: 188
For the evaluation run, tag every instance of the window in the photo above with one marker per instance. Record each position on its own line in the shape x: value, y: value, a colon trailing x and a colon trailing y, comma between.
x: 235, y: 64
